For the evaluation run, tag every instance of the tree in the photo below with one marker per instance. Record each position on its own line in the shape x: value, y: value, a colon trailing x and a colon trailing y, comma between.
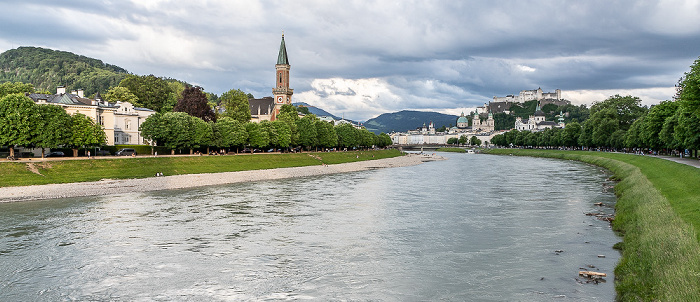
x: 686, y: 131
x: 453, y: 141
x: 55, y: 125
x: 176, y: 88
x: 279, y: 133
x: 202, y: 133
x: 171, y: 129
x: 85, y: 133
x: 463, y: 139
x: 235, y: 103
x: 384, y: 140
x: 308, y: 137
x: 18, y: 121
x: 229, y: 132
x: 327, y: 138
x: 123, y: 94
x: 289, y: 115
x: 570, y: 135
x: 625, y: 109
x: 16, y: 87
x: 366, y: 138
x: 654, y: 122
x: 303, y: 110
x: 194, y: 102
x: 348, y: 136
x: 475, y: 141
x: 152, y: 92
x: 257, y: 137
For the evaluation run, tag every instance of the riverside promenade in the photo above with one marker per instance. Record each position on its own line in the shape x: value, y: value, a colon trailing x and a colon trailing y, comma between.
x: 120, y: 186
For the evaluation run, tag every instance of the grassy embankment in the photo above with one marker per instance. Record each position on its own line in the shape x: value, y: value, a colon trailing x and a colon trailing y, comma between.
x: 658, y: 215
x: 457, y: 150
x: 67, y: 171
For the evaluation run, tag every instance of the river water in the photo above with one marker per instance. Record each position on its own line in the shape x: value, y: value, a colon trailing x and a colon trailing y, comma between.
x: 472, y: 228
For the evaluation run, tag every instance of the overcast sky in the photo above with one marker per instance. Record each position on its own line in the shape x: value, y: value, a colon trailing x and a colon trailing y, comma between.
x: 364, y: 58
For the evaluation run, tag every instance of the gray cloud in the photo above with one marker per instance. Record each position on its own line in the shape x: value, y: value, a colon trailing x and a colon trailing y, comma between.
x: 437, y: 55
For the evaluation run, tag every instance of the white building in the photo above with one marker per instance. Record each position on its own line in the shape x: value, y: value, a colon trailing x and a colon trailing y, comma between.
x: 537, y: 122
x: 120, y: 120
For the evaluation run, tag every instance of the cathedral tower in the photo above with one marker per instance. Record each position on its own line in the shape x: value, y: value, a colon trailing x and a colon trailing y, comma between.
x: 282, y: 93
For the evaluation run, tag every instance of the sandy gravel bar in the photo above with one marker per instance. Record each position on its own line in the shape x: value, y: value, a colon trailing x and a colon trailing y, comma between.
x: 112, y: 186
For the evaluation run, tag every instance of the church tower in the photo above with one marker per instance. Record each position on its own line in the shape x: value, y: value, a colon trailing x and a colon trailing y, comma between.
x: 282, y: 93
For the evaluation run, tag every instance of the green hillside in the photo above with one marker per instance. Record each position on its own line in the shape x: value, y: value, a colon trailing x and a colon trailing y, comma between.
x: 47, y: 69
x: 408, y: 120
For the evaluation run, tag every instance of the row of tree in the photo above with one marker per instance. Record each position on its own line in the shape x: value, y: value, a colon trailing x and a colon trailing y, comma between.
x: 26, y: 124
x: 180, y: 130
x: 622, y: 123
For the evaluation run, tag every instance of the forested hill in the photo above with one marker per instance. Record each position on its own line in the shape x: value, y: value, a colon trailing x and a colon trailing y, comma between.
x: 408, y: 120
x: 47, y: 69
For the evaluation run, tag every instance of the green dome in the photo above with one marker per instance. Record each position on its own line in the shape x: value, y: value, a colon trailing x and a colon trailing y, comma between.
x: 462, y: 119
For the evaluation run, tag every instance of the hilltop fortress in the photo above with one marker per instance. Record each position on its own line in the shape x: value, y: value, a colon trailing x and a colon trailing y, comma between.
x: 503, y: 103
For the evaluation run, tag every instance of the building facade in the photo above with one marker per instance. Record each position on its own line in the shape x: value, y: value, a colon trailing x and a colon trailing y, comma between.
x: 268, y: 108
x: 120, y: 120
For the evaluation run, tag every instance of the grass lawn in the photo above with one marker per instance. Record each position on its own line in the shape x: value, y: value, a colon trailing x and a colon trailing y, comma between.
x: 658, y: 215
x: 67, y: 171
x: 457, y: 150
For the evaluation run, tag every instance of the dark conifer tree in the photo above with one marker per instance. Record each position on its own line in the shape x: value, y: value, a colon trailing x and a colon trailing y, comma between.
x: 193, y: 101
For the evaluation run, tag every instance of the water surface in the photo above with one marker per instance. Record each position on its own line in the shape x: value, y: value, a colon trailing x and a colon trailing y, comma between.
x: 472, y: 228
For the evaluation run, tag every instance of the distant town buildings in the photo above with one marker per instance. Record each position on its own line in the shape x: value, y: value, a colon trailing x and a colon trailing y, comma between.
x: 483, y: 130
x: 537, y: 122
x: 120, y: 120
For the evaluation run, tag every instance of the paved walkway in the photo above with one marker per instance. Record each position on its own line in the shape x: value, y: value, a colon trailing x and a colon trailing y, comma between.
x: 685, y: 160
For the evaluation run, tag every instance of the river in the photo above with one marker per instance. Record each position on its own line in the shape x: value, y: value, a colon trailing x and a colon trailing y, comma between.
x: 471, y: 228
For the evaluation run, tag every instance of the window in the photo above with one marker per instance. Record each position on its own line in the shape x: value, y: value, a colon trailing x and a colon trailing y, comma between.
x: 127, y: 124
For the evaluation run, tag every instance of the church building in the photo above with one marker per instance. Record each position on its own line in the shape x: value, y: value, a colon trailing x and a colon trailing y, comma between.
x: 268, y: 108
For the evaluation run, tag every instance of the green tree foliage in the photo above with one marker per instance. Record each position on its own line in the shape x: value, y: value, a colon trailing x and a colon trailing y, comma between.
x: 289, y: 115
x: 686, y: 131
x: 502, y: 121
x: 18, y: 121
x: 85, y: 133
x: 383, y: 140
x: 235, y: 103
x: 174, y: 130
x: 303, y: 110
x: 152, y: 92
x: 55, y: 127
x: 306, y: 126
x: 569, y: 137
x: 348, y: 136
x: 625, y: 109
x: 46, y: 69
x: 474, y: 141
x: 463, y: 139
x: 257, y: 137
x: 176, y: 88
x: 203, y: 135
x: 654, y: 122
x: 118, y: 93
x: 327, y: 138
x: 453, y: 141
x: 278, y: 132
x: 194, y: 102
x: 366, y: 138
x: 229, y: 132
x: 16, y: 87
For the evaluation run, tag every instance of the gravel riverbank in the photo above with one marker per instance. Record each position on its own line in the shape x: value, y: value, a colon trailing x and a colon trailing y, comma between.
x: 113, y: 186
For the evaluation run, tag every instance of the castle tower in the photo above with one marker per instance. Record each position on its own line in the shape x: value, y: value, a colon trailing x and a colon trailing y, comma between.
x: 282, y: 93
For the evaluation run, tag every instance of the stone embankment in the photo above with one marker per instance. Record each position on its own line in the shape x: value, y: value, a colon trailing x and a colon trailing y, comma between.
x: 119, y: 186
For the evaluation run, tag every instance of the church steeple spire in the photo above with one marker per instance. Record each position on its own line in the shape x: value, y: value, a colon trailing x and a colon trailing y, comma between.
x: 282, y: 57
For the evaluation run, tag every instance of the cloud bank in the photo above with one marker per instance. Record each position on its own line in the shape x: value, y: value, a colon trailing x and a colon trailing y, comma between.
x: 364, y: 58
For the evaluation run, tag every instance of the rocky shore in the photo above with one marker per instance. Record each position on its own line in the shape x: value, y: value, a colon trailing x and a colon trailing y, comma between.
x: 113, y: 186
